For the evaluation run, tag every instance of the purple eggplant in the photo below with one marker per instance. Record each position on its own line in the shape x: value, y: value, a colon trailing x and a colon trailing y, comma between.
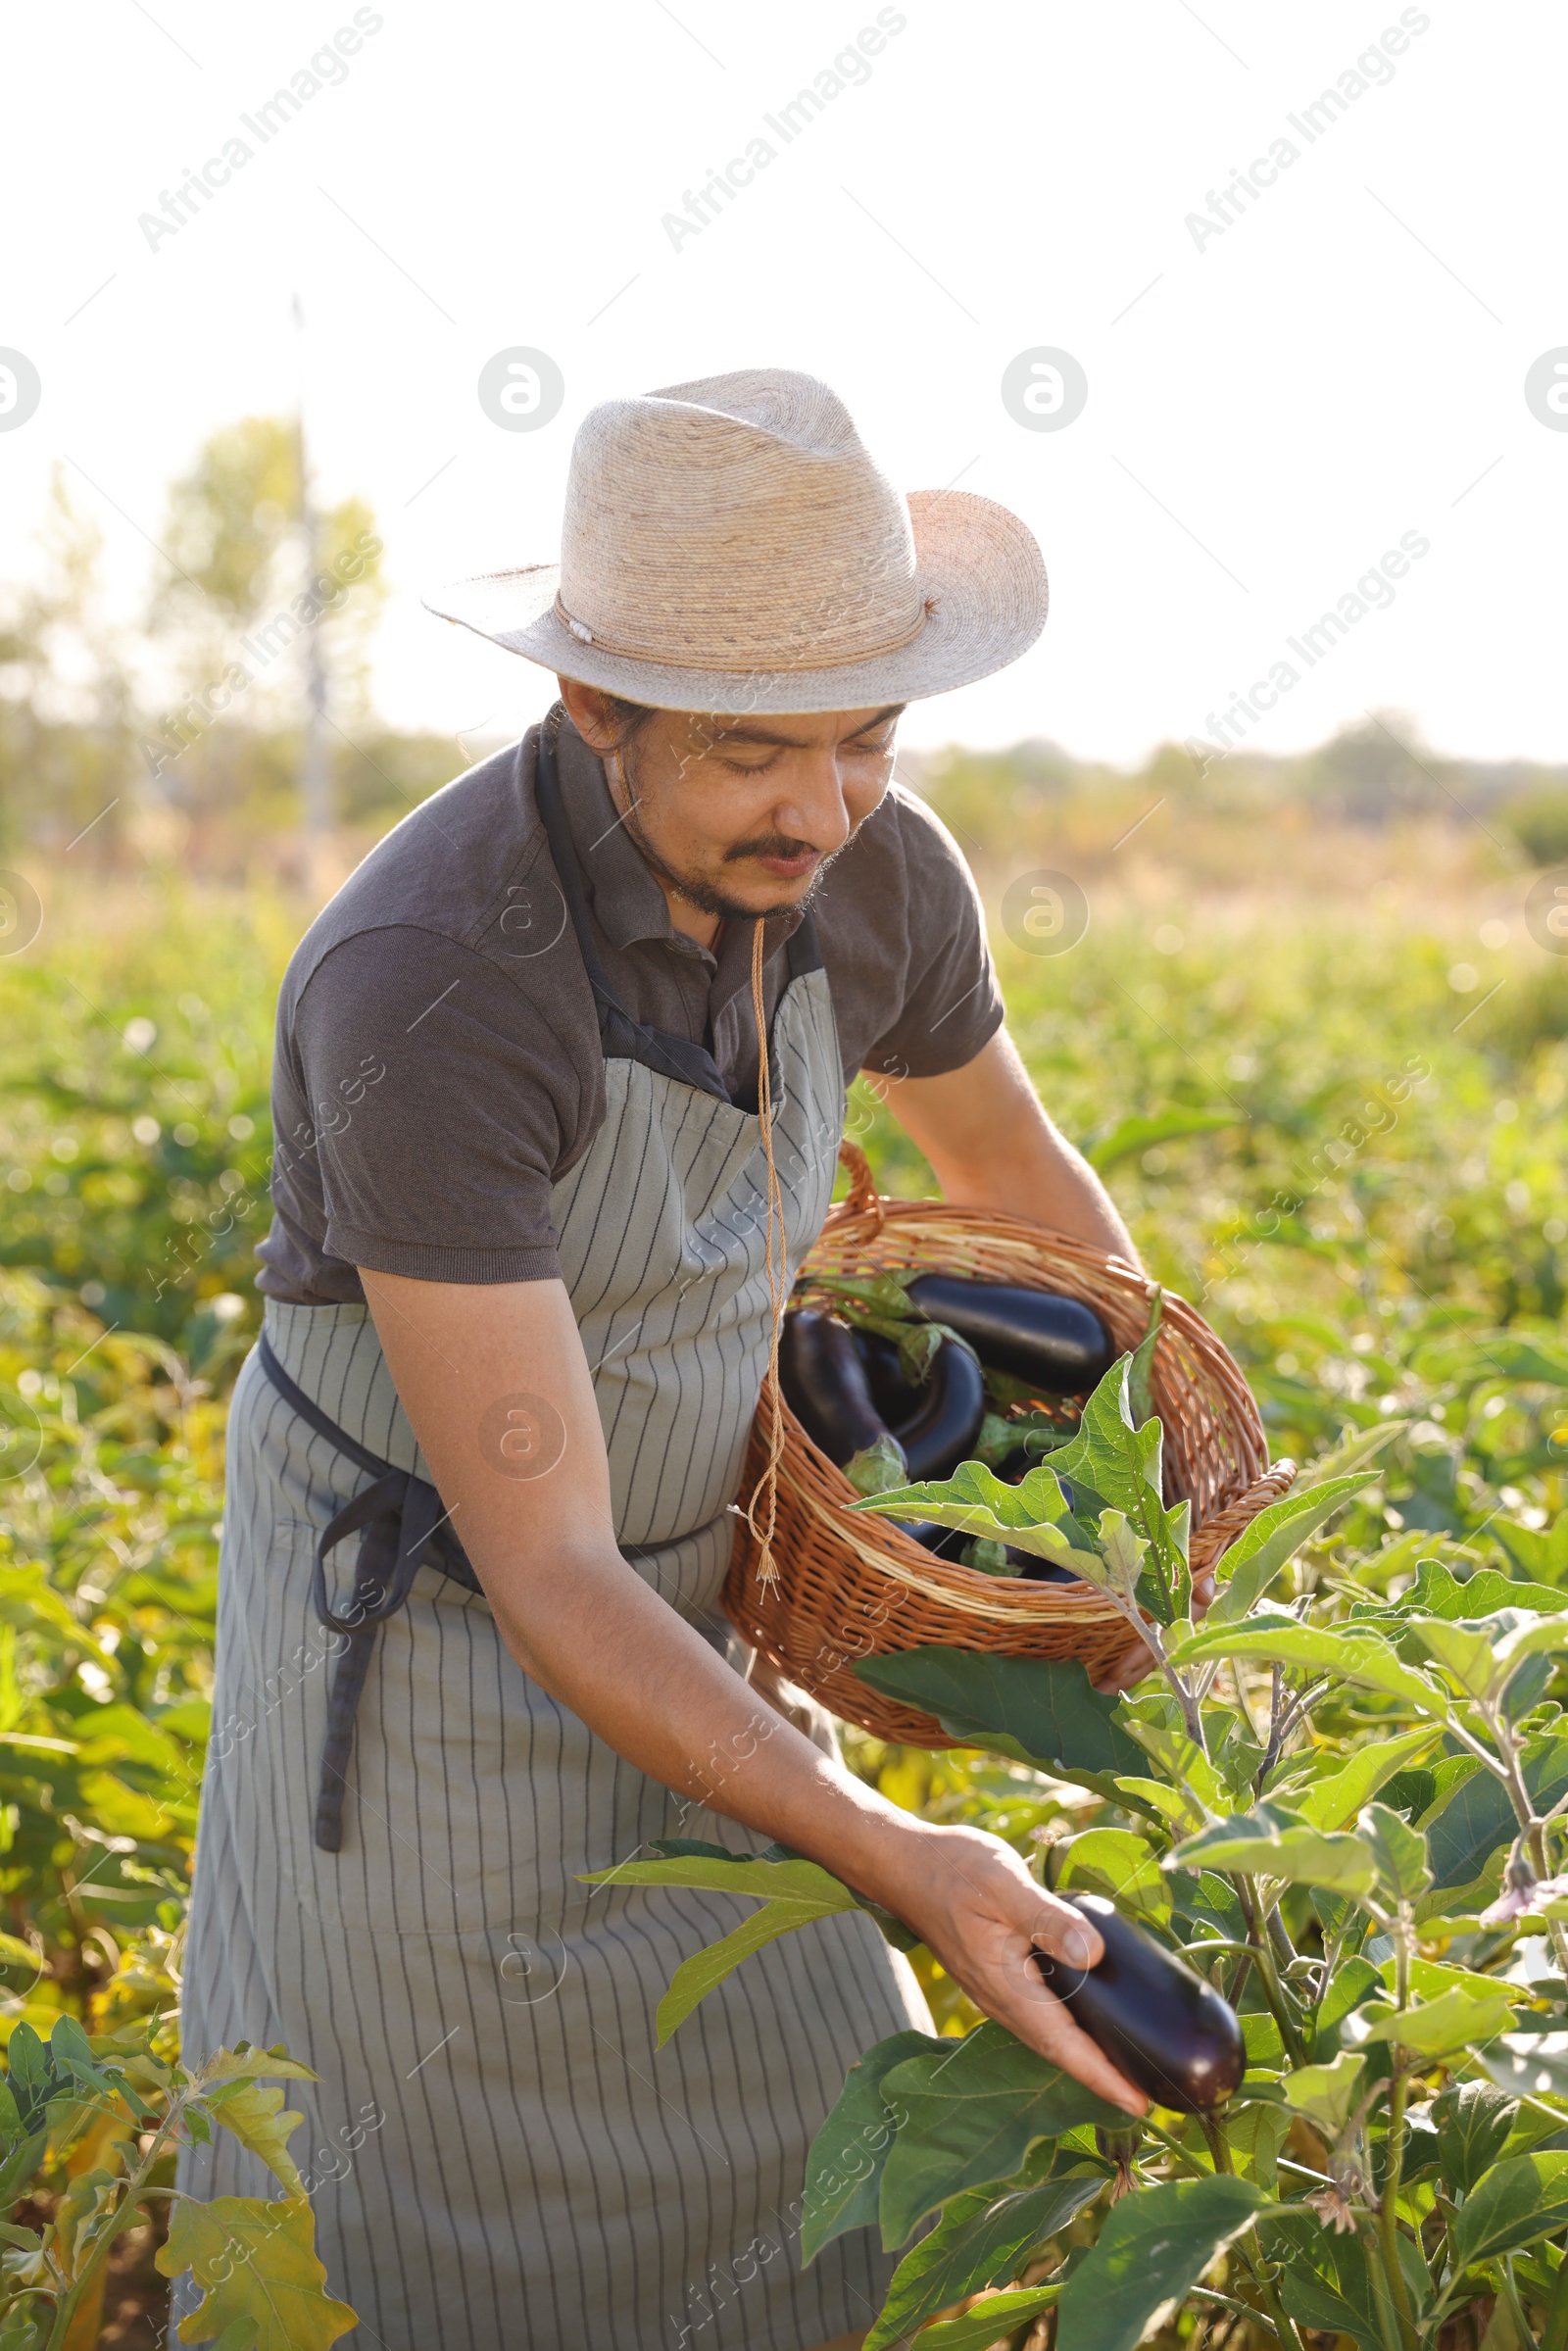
x: 1157, y: 2021
x: 895, y: 1396
x: 1058, y: 1344
x: 825, y: 1386
x: 952, y: 1405
x: 937, y: 1423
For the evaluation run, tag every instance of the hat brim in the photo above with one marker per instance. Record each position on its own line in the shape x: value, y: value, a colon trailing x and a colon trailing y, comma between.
x: 976, y: 562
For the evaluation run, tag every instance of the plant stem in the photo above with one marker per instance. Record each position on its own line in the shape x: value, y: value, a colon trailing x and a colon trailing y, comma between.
x: 1245, y: 2310
x: 1388, y: 2208
x: 1263, y: 1961
x: 1555, y: 1926
x: 1217, y: 2146
x: 1382, y: 2303
x: 1283, y: 2326
x: 1176, y: 2148
x: 1554, y: 2334
x: 126, y: 2214
x: 1514, y: 2303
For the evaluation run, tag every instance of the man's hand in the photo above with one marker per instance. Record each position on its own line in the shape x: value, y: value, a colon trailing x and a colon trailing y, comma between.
x: 974, y: 1904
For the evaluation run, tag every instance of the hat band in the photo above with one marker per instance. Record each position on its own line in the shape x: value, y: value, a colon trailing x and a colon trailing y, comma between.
x: 742, y: 669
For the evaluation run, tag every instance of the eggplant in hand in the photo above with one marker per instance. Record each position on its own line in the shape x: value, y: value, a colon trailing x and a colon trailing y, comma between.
x: 1058, y: 1344
x: 1156, y: 2018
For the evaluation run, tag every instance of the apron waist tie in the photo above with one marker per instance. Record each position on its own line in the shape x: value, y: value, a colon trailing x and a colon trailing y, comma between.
x: 403, y: 1527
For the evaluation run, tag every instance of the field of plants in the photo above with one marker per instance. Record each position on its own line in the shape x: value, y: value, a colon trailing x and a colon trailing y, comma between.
x: 1338, y: 1124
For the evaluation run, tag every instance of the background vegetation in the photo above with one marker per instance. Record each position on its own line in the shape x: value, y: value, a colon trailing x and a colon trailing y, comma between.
x: 1274, y: 947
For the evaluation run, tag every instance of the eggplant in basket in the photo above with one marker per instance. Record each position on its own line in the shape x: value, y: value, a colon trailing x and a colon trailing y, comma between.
x: 1059, y: 1345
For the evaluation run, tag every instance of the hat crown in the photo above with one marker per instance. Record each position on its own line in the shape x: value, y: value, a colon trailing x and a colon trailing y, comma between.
x: 732, y: 524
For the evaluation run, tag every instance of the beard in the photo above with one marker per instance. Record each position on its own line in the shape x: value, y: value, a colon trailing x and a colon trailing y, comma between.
x: 706, y: 893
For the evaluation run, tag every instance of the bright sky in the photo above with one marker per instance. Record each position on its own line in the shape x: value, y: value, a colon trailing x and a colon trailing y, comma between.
x: 1269, y: 410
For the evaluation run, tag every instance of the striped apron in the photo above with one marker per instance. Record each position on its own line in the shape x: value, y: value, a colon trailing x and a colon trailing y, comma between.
x: 499, y: 2156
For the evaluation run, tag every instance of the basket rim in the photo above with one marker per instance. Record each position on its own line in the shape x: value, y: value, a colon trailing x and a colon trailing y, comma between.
x: 860, y: 1223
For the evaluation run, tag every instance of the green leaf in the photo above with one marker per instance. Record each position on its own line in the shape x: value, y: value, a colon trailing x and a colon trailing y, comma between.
x: 1332, y: 2285
x: 1153, y: 2248
x: 1141, y: 1371
x: 1256, y: 2133
x: 1349, y: 1987
x: 20, y: 2160
x: 1528, y: 2065
x: 998, y: 2316
x: 1177, y: 1805
x: 878, y: 1467
x: 1156, y: 1720
x: 255, y: 2261
x: 1473, y: 2125
x: 1542, y: 1551
x: 1481, y: 1654
x: 251, y: 2112
x: 699, y: 1974
x: 1454, y: 2021
x: 1253, y: 1561
x: 1041, y: 1708
x: 1398, y: 1851
x: 1326, y: 2094
x: 977, y: 2242
x: 1362, y: 1444
x: 1517, y: 2202
x: 247, y: 2064
x: 1439, y: 1592
x: 1365, y: 1658
x: 1122, y: 1864
x: 1263, y: 2041
x: 793, y: 1893
x: 844, y: 2168
x: 1478, y: 1817
x: 1143, y: 1133
x: 970, y: 2114
x: 1033, y: 1515
x: 1334, y: 1802
x: 792, y: 1880
x: 1270, y: 1840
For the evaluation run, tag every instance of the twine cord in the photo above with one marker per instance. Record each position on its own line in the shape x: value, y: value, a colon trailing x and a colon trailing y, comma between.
x: 766, y: 1487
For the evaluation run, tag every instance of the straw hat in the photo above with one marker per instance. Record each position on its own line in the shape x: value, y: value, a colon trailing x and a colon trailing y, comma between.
x: 730, y: 544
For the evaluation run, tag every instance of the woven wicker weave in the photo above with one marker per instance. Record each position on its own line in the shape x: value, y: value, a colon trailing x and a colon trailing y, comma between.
x: 848, y: 1586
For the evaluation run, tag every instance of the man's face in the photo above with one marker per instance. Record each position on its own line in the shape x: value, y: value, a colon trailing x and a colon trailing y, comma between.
x: 740, y: 815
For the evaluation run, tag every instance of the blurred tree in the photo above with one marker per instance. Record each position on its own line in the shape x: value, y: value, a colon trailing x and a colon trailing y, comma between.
x: 67, y: 697
x: 266, y: 614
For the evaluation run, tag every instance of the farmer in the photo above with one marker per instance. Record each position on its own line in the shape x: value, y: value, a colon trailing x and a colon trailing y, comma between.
x: 483, y: 1462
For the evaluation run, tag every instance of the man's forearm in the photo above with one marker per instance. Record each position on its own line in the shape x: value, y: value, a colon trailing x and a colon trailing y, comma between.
x: 1044, y: 1179
x: 992, y: 1145
x: 591, y: 1633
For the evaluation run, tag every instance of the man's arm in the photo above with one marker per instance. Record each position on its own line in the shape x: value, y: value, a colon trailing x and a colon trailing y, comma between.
x: 992, y: 1145
x: 496, y: 1384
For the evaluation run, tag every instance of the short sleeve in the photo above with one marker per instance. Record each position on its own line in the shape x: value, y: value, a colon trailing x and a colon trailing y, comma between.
x: 950, y: 1004
x: 438, y: 1104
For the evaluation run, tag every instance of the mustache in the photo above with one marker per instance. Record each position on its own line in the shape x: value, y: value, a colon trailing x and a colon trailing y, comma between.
x: 770, y: 845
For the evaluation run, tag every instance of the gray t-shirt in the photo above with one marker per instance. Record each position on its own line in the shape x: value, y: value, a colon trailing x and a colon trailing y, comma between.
x: 438, y: 1066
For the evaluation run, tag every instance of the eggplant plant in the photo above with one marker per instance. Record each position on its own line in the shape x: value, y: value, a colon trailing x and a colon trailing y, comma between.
x: 1345, y: 1809
x: 107, y: 2113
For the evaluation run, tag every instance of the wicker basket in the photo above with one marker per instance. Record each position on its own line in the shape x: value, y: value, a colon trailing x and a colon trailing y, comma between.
x: 848, y: 1586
